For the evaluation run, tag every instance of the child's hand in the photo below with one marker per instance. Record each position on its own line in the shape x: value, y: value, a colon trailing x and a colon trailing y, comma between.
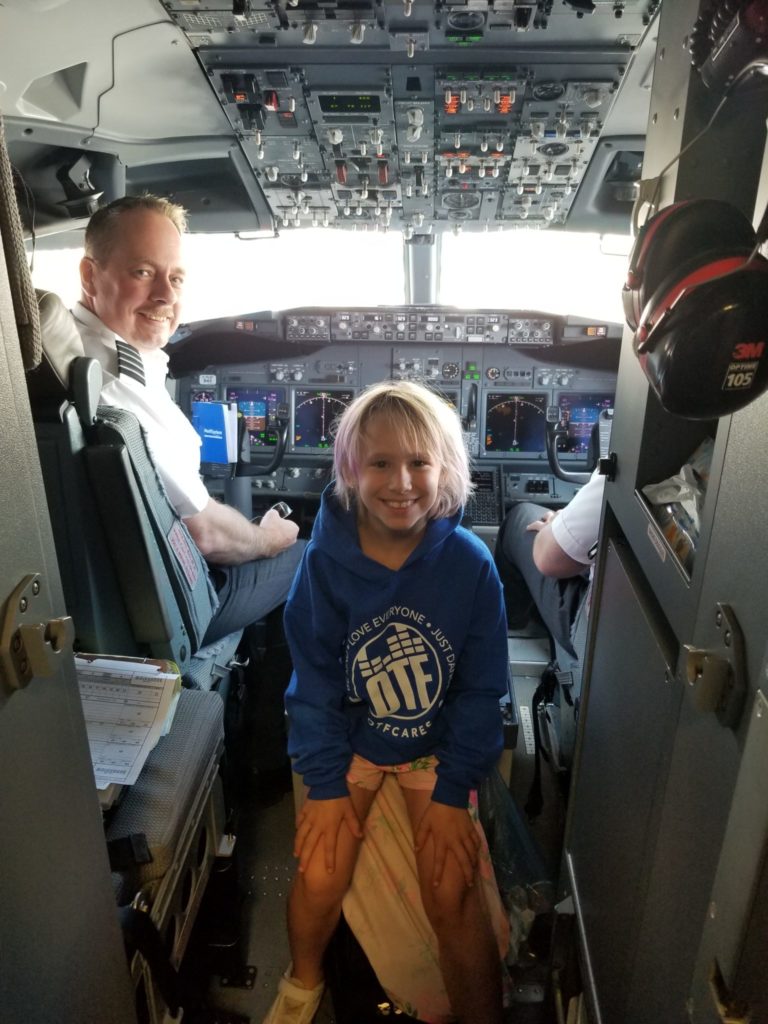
x: 320, y: 821
x: 451, y: 830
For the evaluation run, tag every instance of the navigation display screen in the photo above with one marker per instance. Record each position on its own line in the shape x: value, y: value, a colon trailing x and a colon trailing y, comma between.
x: 258, y: 407
x: 578, y: 414
x: 515, y: 422
x: 315, y: 411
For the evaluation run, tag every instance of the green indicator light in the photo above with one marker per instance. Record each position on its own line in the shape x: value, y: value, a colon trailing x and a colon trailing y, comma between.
x: 477, y: 376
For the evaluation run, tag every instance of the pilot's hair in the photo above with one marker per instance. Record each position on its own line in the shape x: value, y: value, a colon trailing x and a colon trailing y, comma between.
x: 100, y: 232
x: 423, y: 420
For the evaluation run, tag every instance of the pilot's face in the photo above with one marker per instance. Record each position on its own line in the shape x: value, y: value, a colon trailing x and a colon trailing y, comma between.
x: 135, y: 290
x: 396, y: 487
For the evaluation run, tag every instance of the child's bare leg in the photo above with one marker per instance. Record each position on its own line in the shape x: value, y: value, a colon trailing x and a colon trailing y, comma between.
x: 469, y: 955
x: 314, y: 903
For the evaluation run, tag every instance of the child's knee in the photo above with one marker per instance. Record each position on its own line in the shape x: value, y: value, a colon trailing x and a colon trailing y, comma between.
x: 318, y: 885
x: 445, y: 903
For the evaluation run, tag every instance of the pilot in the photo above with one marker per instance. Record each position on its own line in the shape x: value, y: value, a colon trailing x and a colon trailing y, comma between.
x: 545, y: 559
x: 132, y: 277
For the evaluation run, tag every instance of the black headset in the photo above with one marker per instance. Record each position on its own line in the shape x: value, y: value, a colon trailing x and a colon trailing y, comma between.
x: 696, y: 297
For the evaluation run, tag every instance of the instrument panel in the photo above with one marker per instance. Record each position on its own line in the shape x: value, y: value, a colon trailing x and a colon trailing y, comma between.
x: 289, y: 389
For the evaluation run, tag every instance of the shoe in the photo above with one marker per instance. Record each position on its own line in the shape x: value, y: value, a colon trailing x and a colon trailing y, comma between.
x: 294, y: 1004
x: 272, y: 784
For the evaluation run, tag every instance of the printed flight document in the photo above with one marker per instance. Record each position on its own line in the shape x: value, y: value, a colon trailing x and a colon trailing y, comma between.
x: 128, y: 704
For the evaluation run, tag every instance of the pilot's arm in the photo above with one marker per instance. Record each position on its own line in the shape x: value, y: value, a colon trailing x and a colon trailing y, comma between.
x: 225, y: 537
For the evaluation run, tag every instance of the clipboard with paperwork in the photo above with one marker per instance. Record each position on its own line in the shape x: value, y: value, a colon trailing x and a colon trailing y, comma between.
x: 128, y: 704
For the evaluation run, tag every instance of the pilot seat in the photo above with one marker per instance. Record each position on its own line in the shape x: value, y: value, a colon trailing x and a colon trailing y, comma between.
x: 136, y: 585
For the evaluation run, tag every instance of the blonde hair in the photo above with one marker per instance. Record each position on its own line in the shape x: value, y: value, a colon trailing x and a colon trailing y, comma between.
x: 423, y: 420
x: 100, y: 232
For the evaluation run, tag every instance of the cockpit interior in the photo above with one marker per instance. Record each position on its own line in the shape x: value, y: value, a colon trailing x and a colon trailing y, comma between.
x: 489, y: 144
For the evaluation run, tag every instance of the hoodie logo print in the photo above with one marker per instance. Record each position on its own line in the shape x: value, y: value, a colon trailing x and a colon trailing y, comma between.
x: 398, y: 672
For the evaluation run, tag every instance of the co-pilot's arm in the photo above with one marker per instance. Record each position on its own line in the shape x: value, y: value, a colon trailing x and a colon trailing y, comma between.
x: 548, y: 557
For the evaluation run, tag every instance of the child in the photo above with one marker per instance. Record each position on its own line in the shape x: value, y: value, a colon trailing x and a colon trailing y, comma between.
x: 397, y: 630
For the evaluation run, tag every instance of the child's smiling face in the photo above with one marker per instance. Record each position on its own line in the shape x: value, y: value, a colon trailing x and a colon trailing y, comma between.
x: 397, y: 487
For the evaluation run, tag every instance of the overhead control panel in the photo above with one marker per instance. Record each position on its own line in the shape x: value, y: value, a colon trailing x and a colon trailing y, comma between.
x: 420, y: 117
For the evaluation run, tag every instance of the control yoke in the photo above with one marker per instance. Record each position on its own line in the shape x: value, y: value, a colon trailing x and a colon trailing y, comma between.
x: 470, y: 420
x: 599, y: 443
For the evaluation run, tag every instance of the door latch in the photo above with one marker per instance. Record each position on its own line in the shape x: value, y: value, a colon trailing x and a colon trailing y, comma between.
x: 30, y: 649
x: 719, y: 675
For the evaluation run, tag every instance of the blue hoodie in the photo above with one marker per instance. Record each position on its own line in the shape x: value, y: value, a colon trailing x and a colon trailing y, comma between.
x: 395, y: 665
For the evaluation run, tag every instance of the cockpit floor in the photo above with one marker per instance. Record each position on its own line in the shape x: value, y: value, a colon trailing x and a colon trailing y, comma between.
x: 266, y: 867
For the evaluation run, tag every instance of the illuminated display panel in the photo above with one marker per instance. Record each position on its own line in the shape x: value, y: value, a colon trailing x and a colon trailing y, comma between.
x: 515, y: 423
x: 259, y: 410
x: 349, y: 103
x: 315, y: 411
x: 578, y: 413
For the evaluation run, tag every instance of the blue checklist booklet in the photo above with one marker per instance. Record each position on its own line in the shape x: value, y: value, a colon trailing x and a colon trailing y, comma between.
x: 216, y: 423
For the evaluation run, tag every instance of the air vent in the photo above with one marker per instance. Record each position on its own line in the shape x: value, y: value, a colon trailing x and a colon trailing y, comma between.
x: 219, y: 21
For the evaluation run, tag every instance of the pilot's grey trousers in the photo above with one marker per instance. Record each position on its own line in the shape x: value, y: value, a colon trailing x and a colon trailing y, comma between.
x: 525, y: 588
x: 250, y: 591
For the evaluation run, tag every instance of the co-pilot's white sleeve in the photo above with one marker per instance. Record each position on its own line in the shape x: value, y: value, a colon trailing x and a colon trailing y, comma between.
x: 577, y: 526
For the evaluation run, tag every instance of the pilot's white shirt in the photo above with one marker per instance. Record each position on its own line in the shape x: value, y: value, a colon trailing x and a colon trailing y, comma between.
x: 577, y: 526
x: 172, y: 440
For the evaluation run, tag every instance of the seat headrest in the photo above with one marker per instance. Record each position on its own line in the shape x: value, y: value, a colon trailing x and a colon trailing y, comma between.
x: 61, y: 340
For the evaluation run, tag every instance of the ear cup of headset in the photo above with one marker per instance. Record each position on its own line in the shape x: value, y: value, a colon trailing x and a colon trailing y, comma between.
x: 699, y: 309
x: 693, y: 229
x: 708, y: 355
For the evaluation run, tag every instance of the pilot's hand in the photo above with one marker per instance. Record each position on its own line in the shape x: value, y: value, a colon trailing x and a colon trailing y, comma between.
x: 319, y: 822
x: 277, y: 533
x: 539, y: 524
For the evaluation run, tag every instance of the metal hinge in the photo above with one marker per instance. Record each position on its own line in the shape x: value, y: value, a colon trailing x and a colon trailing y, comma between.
x: 719, y: 675
x: 30, y: 649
